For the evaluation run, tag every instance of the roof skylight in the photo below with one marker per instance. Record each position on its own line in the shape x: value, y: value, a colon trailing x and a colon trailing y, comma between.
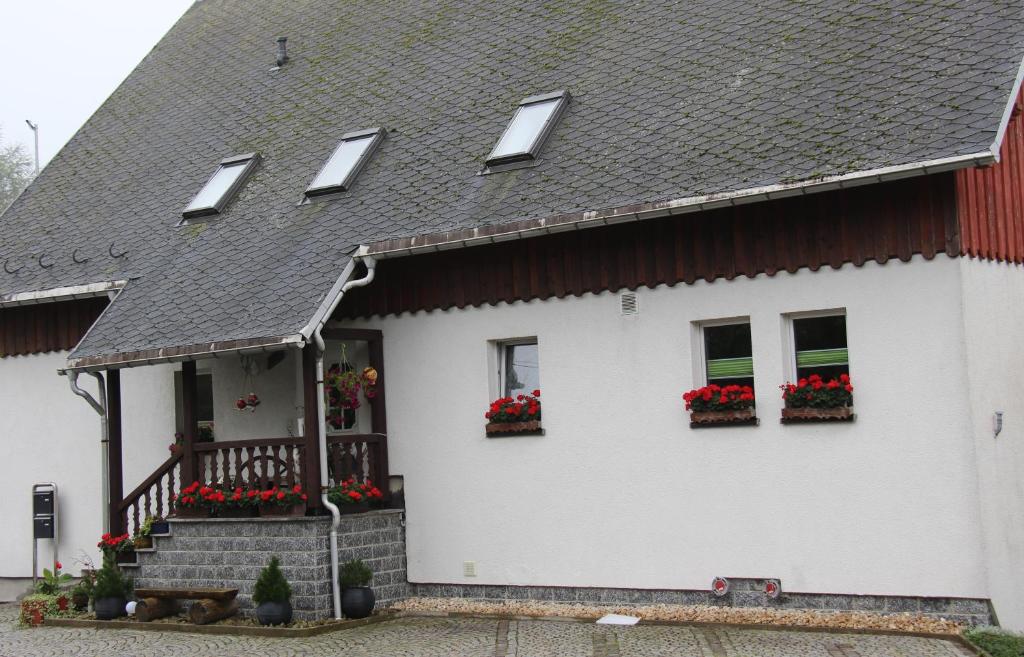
x: 341, y: 169
x: 529, y: 127
x: 222, y: 186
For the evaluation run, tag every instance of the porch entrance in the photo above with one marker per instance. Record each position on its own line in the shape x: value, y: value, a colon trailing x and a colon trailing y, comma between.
x: 356, y: 440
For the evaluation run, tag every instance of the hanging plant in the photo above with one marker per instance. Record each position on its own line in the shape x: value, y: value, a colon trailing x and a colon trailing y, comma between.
x: 342, y: 385
x: 250, y: 369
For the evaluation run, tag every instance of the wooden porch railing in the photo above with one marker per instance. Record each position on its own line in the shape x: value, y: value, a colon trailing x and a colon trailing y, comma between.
x: 363, y: 456
x: 261, y: 463
x: 152, y: 497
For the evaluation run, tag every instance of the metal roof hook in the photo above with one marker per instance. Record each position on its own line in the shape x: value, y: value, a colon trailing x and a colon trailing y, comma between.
x: 41, y: 264
x: 9, y: 270
x: 116, y: 255
x: 77, y: 260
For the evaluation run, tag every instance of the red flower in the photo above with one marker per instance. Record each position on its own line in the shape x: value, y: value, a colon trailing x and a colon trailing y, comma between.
x: 280, y: 495
x: 58, y: 565
x: 536, y: 393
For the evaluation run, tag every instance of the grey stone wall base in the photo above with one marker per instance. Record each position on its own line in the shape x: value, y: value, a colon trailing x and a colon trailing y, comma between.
x: 228, y: 552
x: 742, y: 593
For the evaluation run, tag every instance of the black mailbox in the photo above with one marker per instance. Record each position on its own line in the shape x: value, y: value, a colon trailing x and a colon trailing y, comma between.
x: 43, y: 527
x: 42, y: 503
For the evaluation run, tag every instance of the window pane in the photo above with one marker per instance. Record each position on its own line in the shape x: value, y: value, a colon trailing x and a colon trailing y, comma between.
x: 821, y: 346
x: 522, y: 369
x: 728, y: 354
x: 342, y: 162
x: 210, y: 195
x: 526, y: 125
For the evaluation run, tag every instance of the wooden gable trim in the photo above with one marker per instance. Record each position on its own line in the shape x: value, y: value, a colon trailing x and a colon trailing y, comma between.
x: 46, y: 327
x: 877, y: 222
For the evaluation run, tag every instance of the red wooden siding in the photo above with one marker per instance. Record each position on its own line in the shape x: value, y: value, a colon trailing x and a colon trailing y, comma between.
x: 990, y: 200
x: 875, y: 222
x: 47, y: 326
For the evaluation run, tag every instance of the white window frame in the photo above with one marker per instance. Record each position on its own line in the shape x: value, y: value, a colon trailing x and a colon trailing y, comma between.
x: 248, y: 162
x: 789, y: 337
x: 497, y: 359
x: 700, y: 362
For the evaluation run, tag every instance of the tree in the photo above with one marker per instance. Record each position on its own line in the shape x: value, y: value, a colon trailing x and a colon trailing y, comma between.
x: 16, y: 172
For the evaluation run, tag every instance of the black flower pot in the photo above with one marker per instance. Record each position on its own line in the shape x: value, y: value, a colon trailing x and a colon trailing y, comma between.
x: 110, y: 608
x: 159, y: 528
x: 274, y: 613
x: 357, y: 601
x: 79, y: 601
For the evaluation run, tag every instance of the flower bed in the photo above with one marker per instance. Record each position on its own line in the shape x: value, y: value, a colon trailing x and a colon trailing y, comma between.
x: 715, y: 405
x: 512, y: 416
x: 815, y: 400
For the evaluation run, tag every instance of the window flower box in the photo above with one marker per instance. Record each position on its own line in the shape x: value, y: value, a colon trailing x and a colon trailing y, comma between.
x: 516, y: 416
x: 513, y: 428
x: 715, y: 405
x: 815, y: 400
x: 352, y: 496
x: 282, y: 502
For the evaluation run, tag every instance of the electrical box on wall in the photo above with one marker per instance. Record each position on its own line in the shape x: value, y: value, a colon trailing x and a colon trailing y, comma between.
x: 469, y: 569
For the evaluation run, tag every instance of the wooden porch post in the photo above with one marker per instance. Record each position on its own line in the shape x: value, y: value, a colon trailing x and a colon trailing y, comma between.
x: 379, y: 416
x: 190, y: 420
x: 311, y: 428
x: 114, y: 457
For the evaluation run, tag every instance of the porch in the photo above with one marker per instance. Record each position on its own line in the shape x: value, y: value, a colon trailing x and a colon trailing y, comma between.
x: 356, y: 440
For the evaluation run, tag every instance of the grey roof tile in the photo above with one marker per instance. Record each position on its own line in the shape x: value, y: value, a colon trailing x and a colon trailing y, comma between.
x: 669, y: 100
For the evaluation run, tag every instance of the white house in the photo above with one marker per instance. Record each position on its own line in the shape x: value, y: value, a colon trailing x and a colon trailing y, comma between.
x: 614, y: 205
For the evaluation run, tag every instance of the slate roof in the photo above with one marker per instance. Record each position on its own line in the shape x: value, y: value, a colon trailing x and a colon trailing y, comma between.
x: 669, y: 100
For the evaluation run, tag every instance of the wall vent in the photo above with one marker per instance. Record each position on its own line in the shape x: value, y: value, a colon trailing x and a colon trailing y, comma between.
x: 629, y: 305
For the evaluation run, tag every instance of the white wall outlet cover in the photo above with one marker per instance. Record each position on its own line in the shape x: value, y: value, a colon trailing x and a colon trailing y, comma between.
x: 469, y: 569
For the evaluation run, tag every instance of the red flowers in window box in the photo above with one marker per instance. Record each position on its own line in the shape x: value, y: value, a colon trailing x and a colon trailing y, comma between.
x: 814, y: 398
x: 514, y: 415
x: 283, y: 501
x: 715, y: 405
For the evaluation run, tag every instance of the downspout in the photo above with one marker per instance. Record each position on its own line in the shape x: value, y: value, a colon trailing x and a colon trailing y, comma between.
x: 101, y: 408
x: 318, y: 339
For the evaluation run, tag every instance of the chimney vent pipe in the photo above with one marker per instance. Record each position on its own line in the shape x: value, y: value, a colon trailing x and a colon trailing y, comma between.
x: 282, y: 50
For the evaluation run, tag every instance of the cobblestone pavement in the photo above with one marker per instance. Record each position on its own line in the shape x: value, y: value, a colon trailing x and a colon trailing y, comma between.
x: 434, y: 637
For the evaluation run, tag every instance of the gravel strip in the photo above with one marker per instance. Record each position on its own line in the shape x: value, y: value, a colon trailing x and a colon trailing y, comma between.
x: 847, y: 620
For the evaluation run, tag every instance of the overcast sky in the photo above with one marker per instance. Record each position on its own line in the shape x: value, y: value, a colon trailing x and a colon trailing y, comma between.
x: 64, y: 57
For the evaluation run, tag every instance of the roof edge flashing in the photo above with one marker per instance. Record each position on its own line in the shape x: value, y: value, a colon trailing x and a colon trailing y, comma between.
x: 63, y: 293
x: 183, y: 353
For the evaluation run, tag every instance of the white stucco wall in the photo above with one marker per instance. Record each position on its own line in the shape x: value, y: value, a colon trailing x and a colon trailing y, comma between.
x: 279, y: 390
x: 621, y: 492
x: 52, y: 435
x: 993, y: 298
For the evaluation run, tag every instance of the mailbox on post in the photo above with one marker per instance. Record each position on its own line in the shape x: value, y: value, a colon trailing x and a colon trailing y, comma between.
x: 44, y: 522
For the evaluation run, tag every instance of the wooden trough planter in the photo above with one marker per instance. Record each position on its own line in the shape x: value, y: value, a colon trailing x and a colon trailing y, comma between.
x: 741, y: 417
x: 794, y: 415
x: 290, y: 511
x: 531, y: 428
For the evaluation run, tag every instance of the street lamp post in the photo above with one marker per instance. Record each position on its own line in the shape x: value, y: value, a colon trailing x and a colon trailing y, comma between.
x: 35, y: 132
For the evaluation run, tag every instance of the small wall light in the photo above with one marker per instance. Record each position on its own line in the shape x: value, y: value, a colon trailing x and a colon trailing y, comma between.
x: 997, y: 422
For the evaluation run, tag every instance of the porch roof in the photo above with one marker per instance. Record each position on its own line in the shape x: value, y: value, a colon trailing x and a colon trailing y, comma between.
x: 700, y: 100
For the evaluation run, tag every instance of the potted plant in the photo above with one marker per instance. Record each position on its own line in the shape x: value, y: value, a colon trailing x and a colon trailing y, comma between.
x: 272, y: 595
x: 119, y: 549
x: 357, y: 597
x: 514, y: 416
x: 715, y: 405
x: 52, y: 581
x: 159, y: 526
x: 238, y: 503
x: 143, y: 535
x: 815, y: 400
x: 81, y: 593
x: 352, y: 496
x: 282, y: 502
x: 110, y: 592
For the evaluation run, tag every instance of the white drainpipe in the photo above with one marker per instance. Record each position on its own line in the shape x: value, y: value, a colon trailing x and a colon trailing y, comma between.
x: 101, y: 408
x: 322, y: 427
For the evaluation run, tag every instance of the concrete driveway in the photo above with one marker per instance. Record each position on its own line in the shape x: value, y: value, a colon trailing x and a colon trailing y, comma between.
x: 468, y: 637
